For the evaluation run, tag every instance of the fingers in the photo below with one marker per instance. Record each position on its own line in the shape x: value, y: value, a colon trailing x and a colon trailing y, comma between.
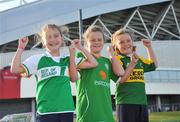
x: 76, y: 41
x: 134, y: 49
x: 23, y: 42
x: 134, y: 58
x: 146, y: 40
x: 77, y: 44
x: 110, y: 48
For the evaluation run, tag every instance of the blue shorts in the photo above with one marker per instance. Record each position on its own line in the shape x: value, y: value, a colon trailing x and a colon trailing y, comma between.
x: 59, y: 117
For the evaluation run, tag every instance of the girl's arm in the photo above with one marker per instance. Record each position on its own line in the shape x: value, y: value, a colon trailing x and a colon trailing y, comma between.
x: 90, y: 61
x: 129, y: 69
x: 116, y: 66
x: 72, y: 66
x: 16, y: 62
x: 151, y: 54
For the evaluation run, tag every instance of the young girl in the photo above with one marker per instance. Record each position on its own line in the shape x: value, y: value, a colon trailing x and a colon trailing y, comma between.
x: 130, y: 92
x: 93, y: 89
x: 53, y: 92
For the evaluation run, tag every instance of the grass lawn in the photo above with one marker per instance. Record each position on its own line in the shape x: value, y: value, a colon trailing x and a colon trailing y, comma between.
x: 165, y: 116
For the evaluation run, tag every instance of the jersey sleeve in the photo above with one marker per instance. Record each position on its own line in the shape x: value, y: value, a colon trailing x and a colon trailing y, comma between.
x: 119, y: 59
x: 79, y: 58
x: 30, y: 64
x: 113, y: 76
x: 148, y: 64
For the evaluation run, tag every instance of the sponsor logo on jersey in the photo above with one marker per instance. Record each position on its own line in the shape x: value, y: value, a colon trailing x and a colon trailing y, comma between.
x: 136, y: 76
x: 48, y: 72
x: 101, y: 83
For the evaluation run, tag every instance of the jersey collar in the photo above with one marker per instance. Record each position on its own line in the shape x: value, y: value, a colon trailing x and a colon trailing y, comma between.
x: 123, y: 55
x: 62, y: 55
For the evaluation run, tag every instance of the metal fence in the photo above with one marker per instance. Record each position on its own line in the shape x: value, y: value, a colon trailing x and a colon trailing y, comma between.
x: 164, y: 108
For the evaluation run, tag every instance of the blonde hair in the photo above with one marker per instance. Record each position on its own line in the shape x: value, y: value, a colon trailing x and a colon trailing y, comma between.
x: 91, y: 29
x: 42, y: 35
x: 121, y: 31
x: 46, y: 27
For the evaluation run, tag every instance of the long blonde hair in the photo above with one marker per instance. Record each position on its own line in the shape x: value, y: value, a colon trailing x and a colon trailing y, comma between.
x: 121, y: 31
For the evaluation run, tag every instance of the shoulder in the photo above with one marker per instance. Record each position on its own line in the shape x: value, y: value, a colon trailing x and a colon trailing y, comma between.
x: 145, y: 60
x: 119, y: 58
x: 80, y: 55
x: 64, y: 55
x: 36, y: 57
x: 105, y: 59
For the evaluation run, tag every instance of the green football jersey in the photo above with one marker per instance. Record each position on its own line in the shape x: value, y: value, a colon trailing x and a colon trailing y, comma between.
x: 53, y: 91
x: 93, y: 93
x: 133, y: 90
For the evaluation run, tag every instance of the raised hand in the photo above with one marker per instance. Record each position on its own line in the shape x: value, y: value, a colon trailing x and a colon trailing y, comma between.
x: 23, y: 42
x: 77, y: 43
x: 110, y: 50
x: 146, y: 42
x: 72, y: 46
x: 134, y: 58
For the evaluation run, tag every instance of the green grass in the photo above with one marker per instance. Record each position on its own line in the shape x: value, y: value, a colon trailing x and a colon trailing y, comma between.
x: 165, y: 116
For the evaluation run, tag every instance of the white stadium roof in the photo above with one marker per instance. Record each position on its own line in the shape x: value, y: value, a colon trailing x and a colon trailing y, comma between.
x: 27, y: 20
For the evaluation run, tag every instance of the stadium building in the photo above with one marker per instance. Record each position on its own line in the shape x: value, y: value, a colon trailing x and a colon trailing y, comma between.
x: 158, y: 20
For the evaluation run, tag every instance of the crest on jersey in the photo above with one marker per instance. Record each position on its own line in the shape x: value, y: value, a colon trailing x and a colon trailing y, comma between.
x: 102, y: 75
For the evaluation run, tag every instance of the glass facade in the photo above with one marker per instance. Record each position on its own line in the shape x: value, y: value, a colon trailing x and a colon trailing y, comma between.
x: 165, y: 75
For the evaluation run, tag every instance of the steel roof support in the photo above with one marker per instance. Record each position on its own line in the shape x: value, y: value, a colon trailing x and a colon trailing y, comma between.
x: 137, y: 32
x: 175, y: 17
x: 144, y: 24
x: 130, y: 18
x: 155, y: 31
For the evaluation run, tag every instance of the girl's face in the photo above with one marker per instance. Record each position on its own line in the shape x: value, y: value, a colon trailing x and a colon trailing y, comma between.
x: 95, y: 42
x: 52, y: 40
x: 124, y: 43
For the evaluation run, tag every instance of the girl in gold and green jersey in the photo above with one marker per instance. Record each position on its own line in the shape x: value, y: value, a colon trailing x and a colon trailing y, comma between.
x: 130, y: 91
x: 93, y: 88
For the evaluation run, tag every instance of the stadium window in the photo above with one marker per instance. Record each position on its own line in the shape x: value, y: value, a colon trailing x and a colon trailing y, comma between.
x: 172, y: 76
x: 163, y: 75
x: 148, y: 77
x: 155, y: 76
x: 178, y: 76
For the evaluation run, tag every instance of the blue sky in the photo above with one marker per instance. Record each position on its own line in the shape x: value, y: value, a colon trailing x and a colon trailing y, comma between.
x: 7, y: 4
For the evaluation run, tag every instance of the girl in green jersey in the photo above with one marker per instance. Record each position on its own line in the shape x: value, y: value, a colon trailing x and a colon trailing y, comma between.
x: 53, y: 70
x: 130, y: 92
x: 93, y: 88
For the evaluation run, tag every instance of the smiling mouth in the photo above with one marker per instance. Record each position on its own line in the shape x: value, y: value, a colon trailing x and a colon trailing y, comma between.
x: 127, y: 48
x: 54, y: 44
x: 96, y: 46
